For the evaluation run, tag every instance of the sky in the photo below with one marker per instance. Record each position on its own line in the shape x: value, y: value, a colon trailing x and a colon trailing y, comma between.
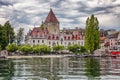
x: 70, y: 13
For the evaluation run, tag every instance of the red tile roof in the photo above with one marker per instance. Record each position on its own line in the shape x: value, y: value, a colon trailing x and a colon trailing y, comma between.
x: 37, y: 31
x: 51, y: 17
x: 102, y: 38
x: 73, y: 37
x: 53, y: 37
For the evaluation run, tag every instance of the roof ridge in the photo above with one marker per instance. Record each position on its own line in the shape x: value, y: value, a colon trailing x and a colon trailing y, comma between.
x: 51, y: 17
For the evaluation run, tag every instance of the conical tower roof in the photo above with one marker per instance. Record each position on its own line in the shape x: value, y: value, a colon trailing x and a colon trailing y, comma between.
x: 51, y: 17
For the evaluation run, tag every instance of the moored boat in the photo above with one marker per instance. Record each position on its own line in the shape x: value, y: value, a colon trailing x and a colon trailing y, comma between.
x: 115, y: 53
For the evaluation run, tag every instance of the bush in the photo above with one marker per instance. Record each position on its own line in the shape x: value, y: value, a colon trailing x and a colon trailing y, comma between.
x: 45, y: 49
x: 25, y: 48
x: 76, y: 48
x: 82, y: 49
x: 36, y: 49
x: 12, y: 48
x: 58, y: 48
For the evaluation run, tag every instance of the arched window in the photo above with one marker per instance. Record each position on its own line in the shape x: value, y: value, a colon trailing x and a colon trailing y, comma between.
x: 55, y: 31
x: 57, y: 37
x: 65, y: 37
x: 53, y: 44
x: 33, y: 41
x: 68, y: 37
x: 53, y: 37
x: 48, y: 37
x: 49, y: 42
x: 69, y: 43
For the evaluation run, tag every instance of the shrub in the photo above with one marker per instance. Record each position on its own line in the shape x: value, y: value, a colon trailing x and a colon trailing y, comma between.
x: 58, y: 48
x: 45, y: 49
x: 76, y: 48
x: 25, y: 48
x: 12, y: 48
x: 36, y: 49
x: 82, y: 49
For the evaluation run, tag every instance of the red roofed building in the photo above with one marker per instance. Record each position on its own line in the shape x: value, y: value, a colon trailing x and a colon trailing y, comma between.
x: 51, y: 17
x: 50, y: 34
x: 52, y: 23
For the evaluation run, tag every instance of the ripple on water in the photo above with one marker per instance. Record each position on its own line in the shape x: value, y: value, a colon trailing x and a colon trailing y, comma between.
x: 60, y: 69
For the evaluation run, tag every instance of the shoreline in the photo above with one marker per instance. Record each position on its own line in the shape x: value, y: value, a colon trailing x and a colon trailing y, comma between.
x: 36, y: 56
x: 54, y: 56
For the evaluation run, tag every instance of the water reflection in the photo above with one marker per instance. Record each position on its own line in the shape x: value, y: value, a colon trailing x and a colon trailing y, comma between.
x: 6, y: 70
x: 92, y: 68
x: 60, y: 69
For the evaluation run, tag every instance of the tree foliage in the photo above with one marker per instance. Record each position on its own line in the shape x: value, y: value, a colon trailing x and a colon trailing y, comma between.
x: 45, y: 49
x: 58, y: 48
x: 75, y: 48
x: 25, y: 48
x: 3, y: 37
x: 36, y: 48
x: 6, y: 34
x: 42, y: 26
x: 92, y: 35
x: 0, y: 48
x: 9, y: 31
x: 19, y: 36
x: 12, y: 48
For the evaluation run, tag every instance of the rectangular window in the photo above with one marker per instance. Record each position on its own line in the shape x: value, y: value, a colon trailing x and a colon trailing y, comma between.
x: 42, y: 41
x: 38, y: 41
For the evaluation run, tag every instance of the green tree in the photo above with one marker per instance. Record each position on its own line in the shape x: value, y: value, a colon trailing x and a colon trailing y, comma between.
x: 45, y: 49
x: 0, y: 48
x: 9, y: 32
x: 12, y: 48
x: 19, y: 36
x: 75, y: 48
x: 58, y: 48
x: 82, y: 49
x: 92, y: 35
x: 36, y: 48
x: 42, y: 26
x: 25, y: 48
x: 3, y: 37
x: 6, y: 34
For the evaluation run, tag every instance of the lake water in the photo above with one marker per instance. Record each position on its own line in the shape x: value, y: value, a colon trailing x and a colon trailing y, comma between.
x: 60, y: 69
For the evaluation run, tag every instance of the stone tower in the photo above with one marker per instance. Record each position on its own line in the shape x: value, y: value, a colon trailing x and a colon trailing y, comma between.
x: 51, y: 23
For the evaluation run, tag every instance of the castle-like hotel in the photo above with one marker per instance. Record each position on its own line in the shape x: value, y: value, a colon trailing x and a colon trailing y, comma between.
x: 49, y: 33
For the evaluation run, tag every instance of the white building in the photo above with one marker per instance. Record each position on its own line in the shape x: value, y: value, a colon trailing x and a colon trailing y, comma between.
x: 50, y: 34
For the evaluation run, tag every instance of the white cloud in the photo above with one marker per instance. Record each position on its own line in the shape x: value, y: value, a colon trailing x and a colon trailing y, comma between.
x: 70, y: 13
x: 65, y: 20
x: 108, y: 20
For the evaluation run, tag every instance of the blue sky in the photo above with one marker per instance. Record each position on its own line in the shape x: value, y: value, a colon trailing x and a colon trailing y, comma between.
x: 70, y: 13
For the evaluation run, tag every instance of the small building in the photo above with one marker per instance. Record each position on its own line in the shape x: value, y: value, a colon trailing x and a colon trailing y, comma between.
x: 113, y: 40
x: 118, y: 39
